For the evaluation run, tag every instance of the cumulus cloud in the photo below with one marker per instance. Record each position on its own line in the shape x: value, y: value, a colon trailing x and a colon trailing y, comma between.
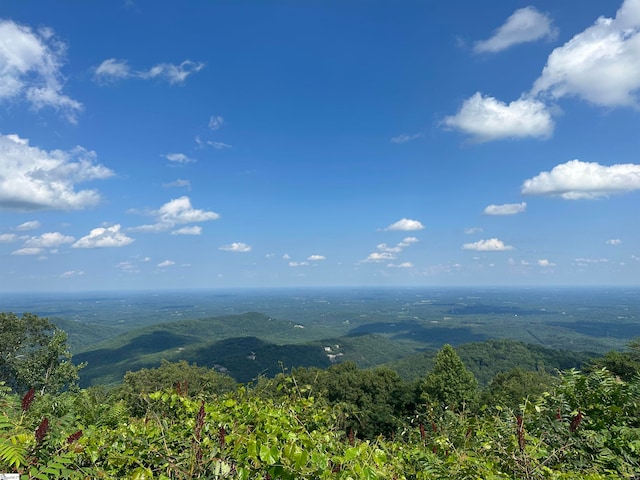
x: 30, y: 68
x: 34, y: 179
x: 380, y: 257
x: 315, y: 258
x: 49, y: 240
x: 505, y: 209
x: 405, y: 224
x: 472, y: 230
x: 577, y: 180
x: 191, y: 230
x: 486, y: 118
x: 216, y: 122
x: 298, y: 264
x: 166, y: 263
x: 613, y: 241
x: 407, y: 241
x: 524, y: 25
x: 26, y: 226
x: 600, y: 65
x: 490, y: 245
x: 8, y: 237
x: 178, y: 158
x: 176, y: 212
x: 543, y: 262
x: 236, y: 247
x: 400, y: 265
x: 405, y: 137
x: 103, y: 237
x: 112, y: 70
x: 385, y: 253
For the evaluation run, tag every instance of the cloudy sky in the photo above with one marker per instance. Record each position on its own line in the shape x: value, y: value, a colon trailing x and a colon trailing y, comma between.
x: 148, y: 144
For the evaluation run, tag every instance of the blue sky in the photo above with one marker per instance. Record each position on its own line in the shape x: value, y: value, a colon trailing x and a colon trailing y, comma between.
x: 148, y: 145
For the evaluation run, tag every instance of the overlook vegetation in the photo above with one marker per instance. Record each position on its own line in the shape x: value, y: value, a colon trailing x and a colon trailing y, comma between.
x: 179, y: 420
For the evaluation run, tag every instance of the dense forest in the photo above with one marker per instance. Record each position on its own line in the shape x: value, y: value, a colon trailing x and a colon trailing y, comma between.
x: 486, y: 410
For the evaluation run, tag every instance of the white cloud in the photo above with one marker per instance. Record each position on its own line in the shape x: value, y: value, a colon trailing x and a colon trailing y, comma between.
x: 178, y: 158
x: 490, y: 245
x: 236, y: 247
x: 472, y: 230
x: 383, y: 247
x: 543, y: 262
x: 49, y: 240
x: 524, y: 25
x: 191, y: 230
x: 315, y: 258
x: 486, y: 118
x: 180, y: 183
x: 380, y: 257
x: 30, y: 64
x: 8, y: 237
x: 216, y: 122
x: 387, y: 253
x: 505, y: 209
x: 584, y: 262
x: 600, y: 65
x: 405, y: 224
x: 166, y: 263
x: 28, y: 251
x: 400, y: 265
x: 298, y: 264
x: 407, y: 241
x: 614, y: 241
x: 127, y: 267
x: 405, y: 137
x: 286, y: 257
x: 219, y: 145
x: 71, y: 273
x: 577, y: 180
x: 113, y: 69
x: 174, y: 73
x: 32, y: 225
x: 104, y: 237
x: 176, y: 212
x: 34, y: 179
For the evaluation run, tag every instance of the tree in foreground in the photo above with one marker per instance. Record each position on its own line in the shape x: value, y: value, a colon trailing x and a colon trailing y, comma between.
x: 450, y: 384
x: 34, y: 354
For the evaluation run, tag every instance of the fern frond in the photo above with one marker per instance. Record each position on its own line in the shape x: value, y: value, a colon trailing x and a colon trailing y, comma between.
x: 13, y: 450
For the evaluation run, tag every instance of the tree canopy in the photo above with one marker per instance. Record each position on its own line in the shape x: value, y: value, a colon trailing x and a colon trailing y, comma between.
x: 34, y: 354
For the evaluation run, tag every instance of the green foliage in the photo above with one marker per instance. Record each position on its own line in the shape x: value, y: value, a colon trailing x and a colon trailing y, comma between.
x: 510, y: 389
x: 450, y: 385
x: 368, y: 402
x: 34, y: 353
x: 624, y: 364
x: 181, y: 376
x: 587, y: 426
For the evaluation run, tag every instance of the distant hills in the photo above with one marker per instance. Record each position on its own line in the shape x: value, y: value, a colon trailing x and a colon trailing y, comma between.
x: 251, y: 345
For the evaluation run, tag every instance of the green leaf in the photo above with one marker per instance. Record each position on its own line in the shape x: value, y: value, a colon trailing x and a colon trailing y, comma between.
x: 269, y: 455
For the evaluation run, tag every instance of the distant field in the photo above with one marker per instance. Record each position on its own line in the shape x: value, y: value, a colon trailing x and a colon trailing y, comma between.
x: 116, y: 332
